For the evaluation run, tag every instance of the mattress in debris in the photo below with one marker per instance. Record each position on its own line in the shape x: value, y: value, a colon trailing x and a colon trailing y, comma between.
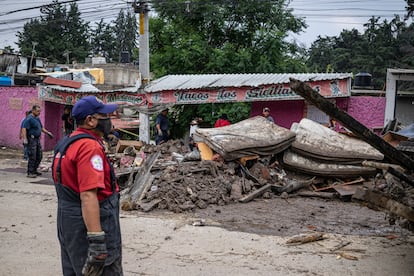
x: 320, y: 142
x: 252, y: 136
x: 300, y: 163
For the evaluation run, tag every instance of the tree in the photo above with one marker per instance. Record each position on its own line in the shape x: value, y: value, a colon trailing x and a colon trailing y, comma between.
x: 125, y: 33
x: 321, y: 54
x: 227, y: 36
x: 409, y: 8
x: 222, y: 37
x: 103, y: 40
x: 382, y: 45
x: 58, y: 31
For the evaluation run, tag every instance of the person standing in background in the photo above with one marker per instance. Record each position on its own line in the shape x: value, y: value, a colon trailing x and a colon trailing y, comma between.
x: 21, y: 134
x: 193, y: 127
x: 68, y: 125
x: 161, y: 124
x: 266, y: 114
x: 32, y: 129
x: 222, y: 121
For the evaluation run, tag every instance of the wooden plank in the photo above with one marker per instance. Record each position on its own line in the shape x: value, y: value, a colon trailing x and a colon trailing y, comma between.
x: 359, y: 180
x: 305, y: 238
x: 147, y: 185
x: 378, y: 199
x: 402, y: 176
x: 255, y: 194
x: 133, y: 193
x: 381, y: 165
x: 349, y: 122
x: 293, y: 185
x: 315, y: 194
x: 62, y: 82
x: 122, y: 144
x: 205, y: 151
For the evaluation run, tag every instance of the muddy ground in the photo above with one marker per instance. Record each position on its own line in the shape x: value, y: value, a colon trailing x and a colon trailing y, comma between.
x: 286, y: 217
x: 235, y: 239
x: 283, y: 216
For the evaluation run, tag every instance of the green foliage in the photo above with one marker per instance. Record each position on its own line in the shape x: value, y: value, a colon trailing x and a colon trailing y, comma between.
x: 207, y: 37
x: 111, y: 39
x: 56, y: 32
x: 181, y: 115
x: 382, y: 45
x: 8, y: 49
x: 125, y: 33
x: 103, y: 40
x: 223, y: 37
x: 409, y: 8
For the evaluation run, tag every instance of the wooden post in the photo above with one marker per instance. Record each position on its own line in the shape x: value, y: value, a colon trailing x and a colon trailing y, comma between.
x: 349, y: 122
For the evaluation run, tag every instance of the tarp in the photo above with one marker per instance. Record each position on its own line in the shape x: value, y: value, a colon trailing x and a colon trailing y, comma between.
x: 252, y: 136
x: 407, y: 131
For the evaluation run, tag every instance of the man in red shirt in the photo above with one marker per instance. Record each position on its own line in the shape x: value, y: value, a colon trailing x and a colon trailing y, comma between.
x: 88, y: 198
x: 222, y: 121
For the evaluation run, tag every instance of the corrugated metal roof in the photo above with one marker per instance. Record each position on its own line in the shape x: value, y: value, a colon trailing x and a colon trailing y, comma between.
x: 89, y: 88
x: 85, y: 88
x: 182, y: 82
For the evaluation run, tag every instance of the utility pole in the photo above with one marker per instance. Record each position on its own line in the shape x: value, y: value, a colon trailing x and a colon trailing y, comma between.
x: 142, y: 7
x: 66, y: 55
x: 34, y: 44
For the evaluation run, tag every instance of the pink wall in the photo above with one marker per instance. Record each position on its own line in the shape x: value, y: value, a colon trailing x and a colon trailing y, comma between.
x: 283, y: 112
x: 368, y: 110
x: 14, y: 102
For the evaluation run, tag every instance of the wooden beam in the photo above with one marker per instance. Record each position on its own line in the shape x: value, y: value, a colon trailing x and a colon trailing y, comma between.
x: 255, y: 193
x: 349, y: 122
x: 381, y: 200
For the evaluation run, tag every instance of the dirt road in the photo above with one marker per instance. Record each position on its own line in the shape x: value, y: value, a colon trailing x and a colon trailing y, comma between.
x: 238, y: 239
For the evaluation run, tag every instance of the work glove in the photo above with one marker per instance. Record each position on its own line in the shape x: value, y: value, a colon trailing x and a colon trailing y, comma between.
x: 50, y: 135
x: 159, y: 132
x: 25, y: 142
x: 97, y: 253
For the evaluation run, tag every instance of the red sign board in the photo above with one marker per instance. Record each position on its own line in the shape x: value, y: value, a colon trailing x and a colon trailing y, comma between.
x: 328, y: 88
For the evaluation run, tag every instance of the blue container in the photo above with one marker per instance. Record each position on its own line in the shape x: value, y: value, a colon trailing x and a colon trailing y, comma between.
x: 5, y: 81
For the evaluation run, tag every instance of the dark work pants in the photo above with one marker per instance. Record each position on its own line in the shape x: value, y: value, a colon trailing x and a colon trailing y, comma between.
x: 25, y: 157
x: 34, y: 153
x: 162, y: 138
x: 73, y: 238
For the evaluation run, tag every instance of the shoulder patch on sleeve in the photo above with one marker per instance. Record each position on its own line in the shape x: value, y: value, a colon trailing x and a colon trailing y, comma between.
x: 97, y: 162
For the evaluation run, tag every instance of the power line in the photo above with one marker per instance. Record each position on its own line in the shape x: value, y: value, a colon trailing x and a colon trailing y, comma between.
x: 35, y: 7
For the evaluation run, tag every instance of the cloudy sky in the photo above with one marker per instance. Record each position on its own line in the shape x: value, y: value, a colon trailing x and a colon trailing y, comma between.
x: 324, y: 17
x: 330, y: 17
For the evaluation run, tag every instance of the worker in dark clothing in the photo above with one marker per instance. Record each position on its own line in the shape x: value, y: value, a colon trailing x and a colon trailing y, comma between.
x: 68, y: 125
x: 161, y: 124
x: 88, y: 195
x: 31, y: 131
x: 25, y: 157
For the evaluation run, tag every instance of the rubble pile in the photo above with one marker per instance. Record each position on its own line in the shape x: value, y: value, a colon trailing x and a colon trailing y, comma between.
x: 190, y: 185
x: 179, y: 185
x: 172, y: 177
